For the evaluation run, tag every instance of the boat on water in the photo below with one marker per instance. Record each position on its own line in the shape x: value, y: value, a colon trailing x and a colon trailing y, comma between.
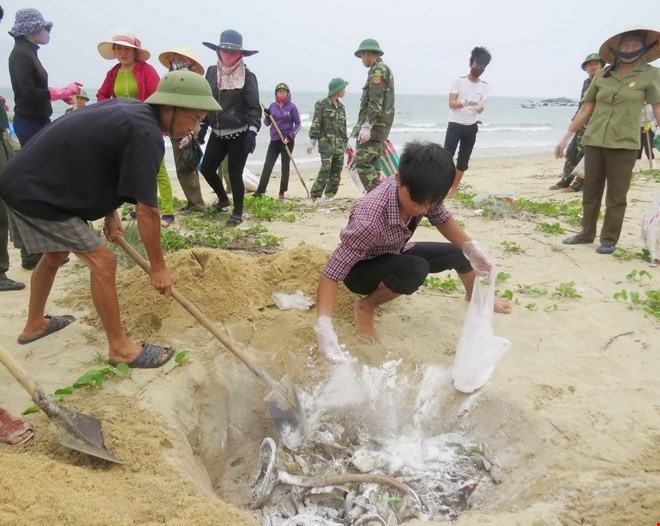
x: 560, y: 101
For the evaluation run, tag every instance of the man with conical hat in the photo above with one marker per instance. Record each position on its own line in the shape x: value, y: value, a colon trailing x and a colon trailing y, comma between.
x: 572, y: 182
x: 113, y: 151
x: 376, y: 113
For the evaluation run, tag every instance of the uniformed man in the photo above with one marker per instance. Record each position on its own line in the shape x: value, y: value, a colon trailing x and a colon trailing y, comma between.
x: 376, y: 113
x: 329, y: 130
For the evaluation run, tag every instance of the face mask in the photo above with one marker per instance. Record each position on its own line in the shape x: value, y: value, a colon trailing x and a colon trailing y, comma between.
x: 281, y: 98
x: 229, y: 59
x: 630, y: 57
x: 42, y: 38
x: 476, y: 72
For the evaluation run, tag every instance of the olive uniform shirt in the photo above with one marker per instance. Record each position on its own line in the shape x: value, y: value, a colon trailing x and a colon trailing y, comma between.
x: 619, y: 100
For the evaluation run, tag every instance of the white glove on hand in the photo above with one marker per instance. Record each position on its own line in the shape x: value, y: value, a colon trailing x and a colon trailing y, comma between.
x: 328, y: 342
x: 365, y: 133
x: 559, y: 149
x: 480, y: 261
x: 185, y: 142
x: 467, y: 102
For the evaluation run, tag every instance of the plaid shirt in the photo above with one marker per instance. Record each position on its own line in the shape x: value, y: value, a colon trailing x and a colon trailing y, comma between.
x: 375, y: 228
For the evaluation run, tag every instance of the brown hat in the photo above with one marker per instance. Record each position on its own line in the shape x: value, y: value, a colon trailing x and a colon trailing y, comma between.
x: 650, y: 37
x: 122, y: 37
x: 166, y: 58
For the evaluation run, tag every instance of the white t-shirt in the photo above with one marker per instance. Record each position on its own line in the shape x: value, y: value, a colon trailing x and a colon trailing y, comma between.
x: 467, y: 89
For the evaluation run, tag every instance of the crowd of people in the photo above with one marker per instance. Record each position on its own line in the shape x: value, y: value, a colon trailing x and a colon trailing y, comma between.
x: 48, y: 210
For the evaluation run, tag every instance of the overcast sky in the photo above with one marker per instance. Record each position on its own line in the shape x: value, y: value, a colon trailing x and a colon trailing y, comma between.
x: 537, y: 46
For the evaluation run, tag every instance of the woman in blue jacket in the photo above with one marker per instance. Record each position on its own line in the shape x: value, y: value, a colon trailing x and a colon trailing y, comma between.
x: 286, y: 116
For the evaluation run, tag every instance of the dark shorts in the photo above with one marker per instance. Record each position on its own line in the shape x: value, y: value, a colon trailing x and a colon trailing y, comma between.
x: 466, y: 135
x: 404, y: 273
x: 40, y: 235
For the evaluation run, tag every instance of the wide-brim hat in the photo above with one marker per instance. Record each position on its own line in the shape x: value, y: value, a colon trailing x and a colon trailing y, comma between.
x: 650, y: 36
x: 369, y: 44
x: 184, y: 89
x: 165, y: 58
x: 591, y: 57
x: 336, y: 85
x: 29, y: 23
x: 230, y: 40
x: 126, y: 38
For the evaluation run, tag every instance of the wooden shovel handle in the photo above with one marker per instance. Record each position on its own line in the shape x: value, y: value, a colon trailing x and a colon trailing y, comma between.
x: 201, y: 318
x: 17, y: 371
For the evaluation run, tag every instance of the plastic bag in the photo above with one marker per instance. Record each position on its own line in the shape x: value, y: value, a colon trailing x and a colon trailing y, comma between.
x: 292, y: 301
x: 191, y: 154
x: 651, y: 230
x: 478, y: 349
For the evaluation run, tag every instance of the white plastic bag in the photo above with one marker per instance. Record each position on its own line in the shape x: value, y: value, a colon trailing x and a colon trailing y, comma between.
x: 478, y: 349
x: 292, y: 301
x: 651, y: 230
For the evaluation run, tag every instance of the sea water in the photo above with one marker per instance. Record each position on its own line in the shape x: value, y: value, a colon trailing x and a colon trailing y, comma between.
x: 506, y: 127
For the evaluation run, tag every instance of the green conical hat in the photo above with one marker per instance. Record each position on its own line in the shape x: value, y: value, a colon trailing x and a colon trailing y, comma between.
x: 184, y: 89
x: 369, y: 44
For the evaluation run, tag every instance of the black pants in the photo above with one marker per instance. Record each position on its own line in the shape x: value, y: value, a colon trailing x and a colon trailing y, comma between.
x: 276, y: 149
x: 216, y: 151
x: 404, y: 273
x: 466, y: 134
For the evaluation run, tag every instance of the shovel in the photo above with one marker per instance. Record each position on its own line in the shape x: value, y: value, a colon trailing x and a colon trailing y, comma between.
x: 75, y: 430
x: 283, y: 402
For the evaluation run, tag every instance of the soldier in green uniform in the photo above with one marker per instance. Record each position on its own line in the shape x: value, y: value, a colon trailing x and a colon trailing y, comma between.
x: 574, y: 152
x: 376, y: 113
x: 329, y: 130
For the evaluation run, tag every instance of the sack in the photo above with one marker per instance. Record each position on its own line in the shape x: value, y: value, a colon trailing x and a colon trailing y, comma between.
x: 250, y: 181
x: 651, y: 230
x: 191, y: 155
x: 478, y: 349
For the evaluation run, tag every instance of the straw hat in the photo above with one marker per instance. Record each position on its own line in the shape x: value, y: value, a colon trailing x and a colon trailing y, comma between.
x: 166, y: 58
x: 123, y: 37
x: 651, y: 38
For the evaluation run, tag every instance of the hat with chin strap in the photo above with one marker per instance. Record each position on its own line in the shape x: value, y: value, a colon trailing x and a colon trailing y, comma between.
x: 184, y: 89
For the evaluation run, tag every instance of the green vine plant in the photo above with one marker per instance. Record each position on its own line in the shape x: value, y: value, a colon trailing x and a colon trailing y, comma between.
x: 96, y: 378
x: 448, y: 285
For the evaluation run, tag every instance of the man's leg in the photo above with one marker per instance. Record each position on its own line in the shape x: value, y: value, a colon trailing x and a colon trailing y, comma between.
x: 41, y: 284
x: 102, y: 265
x: 592, y: 192
x: 468, y: 137
x: 322, y: 178
x: 365, y: 310
x: 367, y: 163
x: 334, y: 177
x: 618, y: 172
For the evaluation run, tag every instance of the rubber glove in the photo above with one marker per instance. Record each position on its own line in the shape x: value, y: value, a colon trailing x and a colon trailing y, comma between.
x: 328, y: 342
x: 365, y: 133
x: 201, y: 134
x: 467, y: 102
x: 480, y: 261
x: 65, y: 92
x: 266, y: 112
x: 563, y: 142
x: 250, y: 141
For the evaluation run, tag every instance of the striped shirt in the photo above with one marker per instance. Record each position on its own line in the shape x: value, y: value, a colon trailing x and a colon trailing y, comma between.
x: 375, y: 228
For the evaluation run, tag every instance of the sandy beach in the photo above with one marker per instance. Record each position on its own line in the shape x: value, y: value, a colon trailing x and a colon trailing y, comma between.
x: 571, y: 412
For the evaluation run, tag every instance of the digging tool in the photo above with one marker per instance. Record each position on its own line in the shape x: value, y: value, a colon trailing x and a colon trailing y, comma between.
x: 283, y: 402
x: 75, y: 430
x: 286, y: 147
x: 649, y: 146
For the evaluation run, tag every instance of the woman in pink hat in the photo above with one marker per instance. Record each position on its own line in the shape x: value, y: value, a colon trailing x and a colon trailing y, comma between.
x: 133, y: 78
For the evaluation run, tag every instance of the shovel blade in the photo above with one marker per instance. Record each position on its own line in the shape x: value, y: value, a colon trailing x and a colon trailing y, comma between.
x: 288, y: 415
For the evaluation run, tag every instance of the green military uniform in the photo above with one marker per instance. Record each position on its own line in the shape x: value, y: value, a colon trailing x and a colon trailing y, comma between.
x: 376, y: 109
x: 329, y: 129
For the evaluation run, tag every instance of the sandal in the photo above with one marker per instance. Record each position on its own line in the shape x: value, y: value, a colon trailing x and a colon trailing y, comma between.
x: 151, y: 357
x: 234, y: 220
x: 166, y: 221
x: 55, y: 324
x: 14, y: 431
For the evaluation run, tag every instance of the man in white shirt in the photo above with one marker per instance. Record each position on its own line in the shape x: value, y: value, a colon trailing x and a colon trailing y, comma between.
x: 467, y: 99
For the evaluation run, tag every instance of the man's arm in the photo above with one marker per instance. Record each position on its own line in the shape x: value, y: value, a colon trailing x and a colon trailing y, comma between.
x: 326, y: 296
x: 148, y: 220
x: 453, y: 232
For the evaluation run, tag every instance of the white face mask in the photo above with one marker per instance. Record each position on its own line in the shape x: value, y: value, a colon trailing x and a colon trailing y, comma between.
x: 42, y: 38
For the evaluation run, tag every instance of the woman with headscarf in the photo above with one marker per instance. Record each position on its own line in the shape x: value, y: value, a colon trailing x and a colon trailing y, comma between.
x: 612, y: 105
x: 177, y: 59
x: 235, y: 127
x: 134, y: 78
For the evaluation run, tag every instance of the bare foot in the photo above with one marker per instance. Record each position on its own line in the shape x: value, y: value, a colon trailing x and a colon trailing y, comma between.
x: 125, y: 354
x: 502, y: 306
x: 364, y: 320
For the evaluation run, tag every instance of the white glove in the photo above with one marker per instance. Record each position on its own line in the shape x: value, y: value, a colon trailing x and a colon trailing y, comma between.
x: 185, y: 142
x: 480, y: 261
x: 365, y: 133
x: 467, y: 102
x: 328, y: 342
x: 480, y: 105
x: 563, y: 142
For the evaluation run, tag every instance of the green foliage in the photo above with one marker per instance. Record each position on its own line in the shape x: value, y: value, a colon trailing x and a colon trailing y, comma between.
x: 639, y: 276
x: 566, y: 290
x: 465, y: 199
x: 651, y: 175
x: 623, y: 254
x: 447, y: 285
x: 511, y: 247
x: 507, y: 294
x: 650, y: 304
x: 532, y: 291
x: 550, y: 228
x: 268, y: 209
x: 181, y: 357
x: 501, y: 277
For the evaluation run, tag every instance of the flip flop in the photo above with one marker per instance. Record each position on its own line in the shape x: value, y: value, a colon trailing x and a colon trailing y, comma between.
x: 151, y: 357
x: 55, y: 324
x: 234, y: 220
x: 14, y: 431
